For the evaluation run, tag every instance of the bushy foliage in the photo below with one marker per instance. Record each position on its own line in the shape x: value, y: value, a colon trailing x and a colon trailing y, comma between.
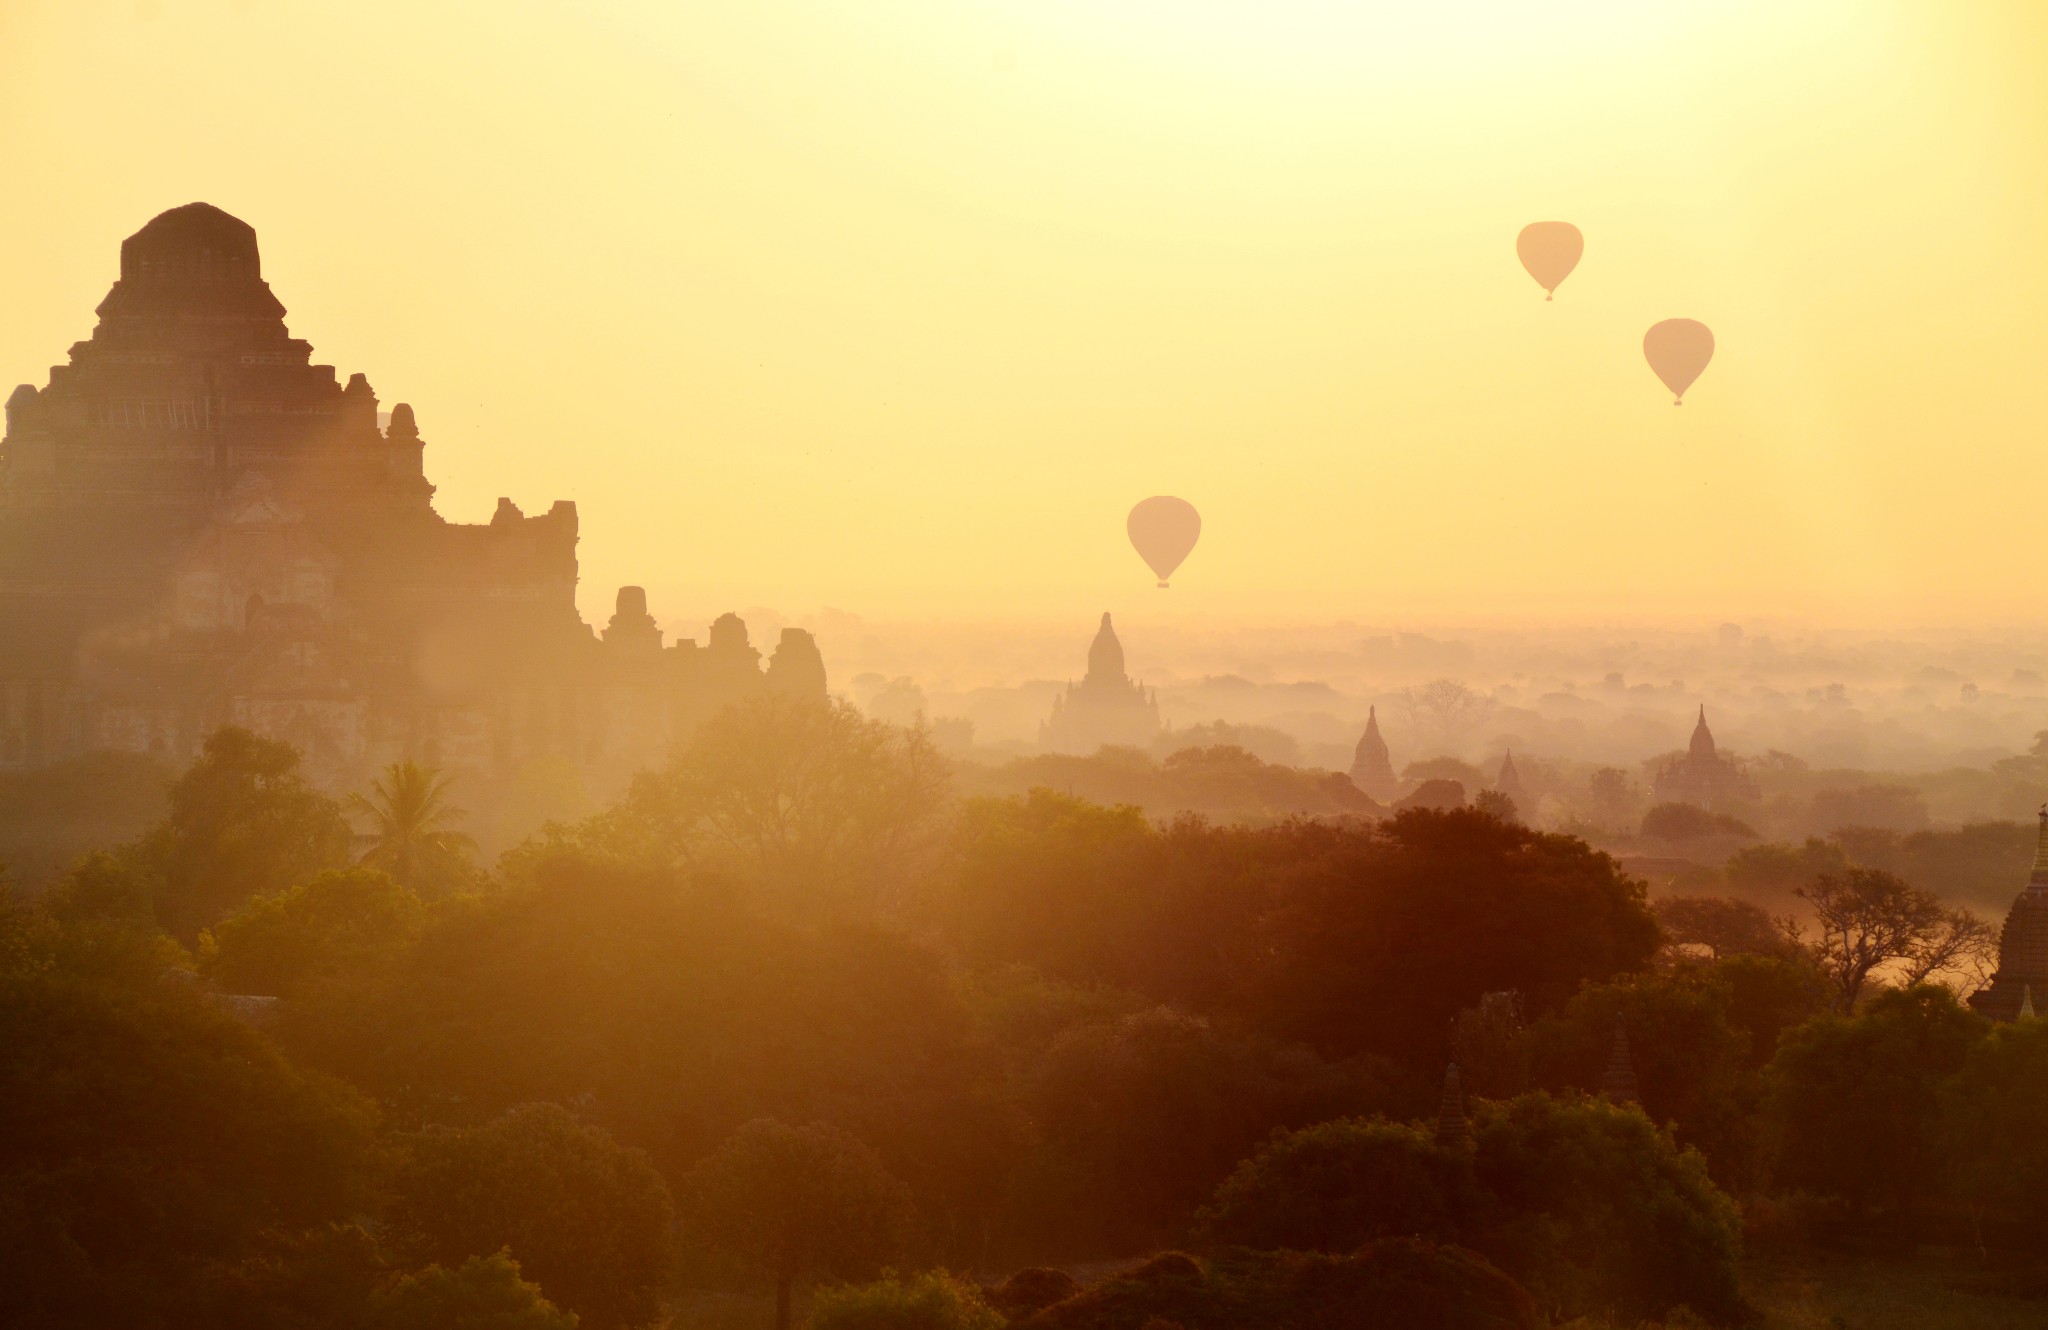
x: 1589, y: 1205
x: 1995, y: 1123
x: 1338, y: 1184
x: 1598, y: 1211
x: 483, y: 1293
x: 678, y: 1010
x: 244, y: 822
x: 143, y: 1131
x: 1393, y: 1282
x: 1374, y: 941
x: 822, y: 808
x: 1683, y: 822
x: 1853, y: 1102
x: 586, y: 1218
x: 1347, y: 937
x: 1155, y: 1107
x: 1721, y: 926
x: 349, y: 922
x: 796, y: 1201
x: 1690, y: 1061
x: 933, y: 1300
x: 1230, y: 780
x: 1031, y: 1289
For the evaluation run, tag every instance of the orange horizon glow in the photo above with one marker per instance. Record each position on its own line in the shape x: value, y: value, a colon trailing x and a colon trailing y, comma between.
x: 899, y: 307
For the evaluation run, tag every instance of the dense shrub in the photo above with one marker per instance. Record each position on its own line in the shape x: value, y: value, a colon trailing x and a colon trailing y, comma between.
x: 483, y: 1293
x: 1690, y: 1062
x: 1598, y: 1211
x: 1336, y: 1185
x: 341, y: 923
x: 1995, y: 1123
x: 1032, y: 1288
x: 1844, y: 1093
x: 934, y: 1300
x: 1154, y: 1108
x: 797, y: 1201
x: 145, y: 1133
x: 1588, y: 1204
x: 1395, y: 1282
x: 586, y: 1218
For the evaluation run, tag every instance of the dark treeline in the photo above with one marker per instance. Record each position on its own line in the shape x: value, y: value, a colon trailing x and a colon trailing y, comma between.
x: 791, y: 1011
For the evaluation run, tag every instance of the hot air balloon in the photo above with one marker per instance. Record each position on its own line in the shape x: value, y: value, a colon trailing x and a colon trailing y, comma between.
x: 1550, y: 250
x: 1163, y: 529
x: 1678, y: 349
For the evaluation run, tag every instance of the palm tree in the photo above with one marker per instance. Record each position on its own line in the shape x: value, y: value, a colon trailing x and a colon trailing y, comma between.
x: 414, y: 841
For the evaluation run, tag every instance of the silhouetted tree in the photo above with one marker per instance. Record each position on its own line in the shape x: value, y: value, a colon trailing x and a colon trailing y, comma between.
x: 243, y: 822
x: 1854, y: 1101
x: 1496, y: 804
x: 1436, y: 795
x: 1373, y: 942
x: 144, y: 1132
x: 483, y: 1293
x: 586, y: 1218
x: 1155, y: 1107
x: 1445, y: 708
x: 1721, y: 926
x: 822, y: 805
x: 1691, y: 1064
x: 797, y: 1201
x: 414, y: 838
x: 1995, y: 1124
x: 1588, y: 1204
x: 1597, y: 1211
x: 354, y: 922
x: 1614, y: 797
x: 1339, y: 1184
x: 934, y: 1300
x: 1691, y: 822
x: 1888, y: 807
x: 646, y: 996
x: 1868, y: 919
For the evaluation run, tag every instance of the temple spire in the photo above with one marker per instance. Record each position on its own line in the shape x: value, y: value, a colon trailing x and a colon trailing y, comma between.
x: 1106, y: 654
x: 1372, y: 768
x: 1509, y: 781
x: 2026, y: 1002
x: 1452, y: 1128
x: 1618, y: 1085
x: 2039, y: 877
x: 1702, y: 738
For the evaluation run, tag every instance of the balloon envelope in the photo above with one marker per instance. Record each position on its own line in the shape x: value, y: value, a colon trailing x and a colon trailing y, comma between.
x: 1678, y: 349
x: 1550, y: 250
x: 1163, y: 529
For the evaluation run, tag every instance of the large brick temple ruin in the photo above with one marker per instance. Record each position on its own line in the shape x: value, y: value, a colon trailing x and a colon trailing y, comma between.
x: 199, y: 527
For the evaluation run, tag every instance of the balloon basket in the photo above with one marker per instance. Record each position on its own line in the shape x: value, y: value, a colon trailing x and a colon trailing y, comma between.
x: 1162, y: 586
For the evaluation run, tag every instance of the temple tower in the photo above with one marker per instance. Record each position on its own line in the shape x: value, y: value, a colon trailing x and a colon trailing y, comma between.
x: 1618, y: 1082
x: 2022, y: 943
x: 1372, y: 769
x: 1106, y: 707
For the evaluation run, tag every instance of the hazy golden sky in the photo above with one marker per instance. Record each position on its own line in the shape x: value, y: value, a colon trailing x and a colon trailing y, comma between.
x: 899, y: 305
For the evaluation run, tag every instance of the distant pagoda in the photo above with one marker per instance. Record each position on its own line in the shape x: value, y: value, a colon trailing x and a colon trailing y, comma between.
x: 1509, y: 781
x: 1703, y: 776
x: 1372, y: 769
x: 2022, y: 945
x: 1106, y: 707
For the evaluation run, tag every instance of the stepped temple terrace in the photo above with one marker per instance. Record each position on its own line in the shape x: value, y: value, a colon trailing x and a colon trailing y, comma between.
x: 199, y: 527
